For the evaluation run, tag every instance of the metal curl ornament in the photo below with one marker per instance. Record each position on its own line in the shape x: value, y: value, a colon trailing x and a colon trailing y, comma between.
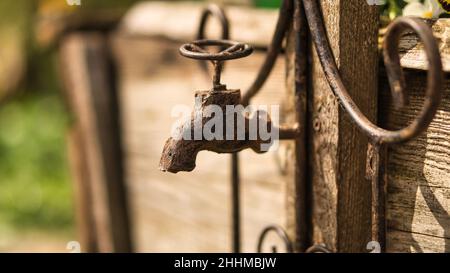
x: 280, y: 233
x: 377, y: 134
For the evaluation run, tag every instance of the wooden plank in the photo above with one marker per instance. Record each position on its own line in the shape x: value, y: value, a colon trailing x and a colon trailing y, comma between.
x: 295, y: 111
x: 419, y: 173
x: 82, y: 192
x: 162, y: 19
x: 85, y: 69
x: 341, y: 194
x: 55, y: 20
x: 288, y: 147
x: 412, y: 51
x: 405, y: 242
x: 53, y: 24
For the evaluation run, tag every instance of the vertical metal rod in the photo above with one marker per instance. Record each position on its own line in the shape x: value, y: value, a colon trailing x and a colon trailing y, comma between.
x: 376, y: 172
x: 235, y: 203
x: 218, y: 66
x: 301, y: 85
x: 215, y: 10
x: 274, y: 50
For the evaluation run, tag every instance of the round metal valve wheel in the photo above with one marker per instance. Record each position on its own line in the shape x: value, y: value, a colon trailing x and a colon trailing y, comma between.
x: 232, y: 50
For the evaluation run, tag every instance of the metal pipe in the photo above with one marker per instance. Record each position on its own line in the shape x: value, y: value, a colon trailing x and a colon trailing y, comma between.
x: 301, y: 86
x: 236, y: 203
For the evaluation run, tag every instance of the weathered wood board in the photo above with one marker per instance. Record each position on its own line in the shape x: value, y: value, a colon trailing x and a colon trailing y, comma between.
x: 341, y: 194
x: 419, y: 174
x: 418, y: 190
x: 85, y: 70
x: 411, y: 50
x: 189, y: 212
x: 153, y: 19
x: 81, y: 191
x: 419, y: 171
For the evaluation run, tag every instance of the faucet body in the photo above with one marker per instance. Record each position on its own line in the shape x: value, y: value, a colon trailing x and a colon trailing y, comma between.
x: 179, y: 154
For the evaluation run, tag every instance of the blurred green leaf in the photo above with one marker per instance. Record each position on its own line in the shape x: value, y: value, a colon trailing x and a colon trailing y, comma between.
x: 33, y: 169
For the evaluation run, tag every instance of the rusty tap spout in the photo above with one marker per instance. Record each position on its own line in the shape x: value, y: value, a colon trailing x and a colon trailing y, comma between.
x: 180, y: 151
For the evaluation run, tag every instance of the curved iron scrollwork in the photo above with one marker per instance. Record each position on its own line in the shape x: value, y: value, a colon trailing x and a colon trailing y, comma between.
x: 214, y: 11
x: 379, y: 137
x: 320, y: 248
x: 230, y: 50
x: 288, y: 245
x: 285, y: 18
x: 281, y: 233
x: 396, y: 79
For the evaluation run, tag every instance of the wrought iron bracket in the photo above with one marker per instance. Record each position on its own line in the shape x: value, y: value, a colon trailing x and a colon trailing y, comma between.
x: 308, y: 21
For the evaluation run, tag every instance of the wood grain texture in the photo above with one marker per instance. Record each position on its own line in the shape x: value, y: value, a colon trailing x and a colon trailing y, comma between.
x: 190, y: 212
x: 84, y: 65
x: 341, y: 194
x: 162, y: 19
x: 419, y: 174
x: 412, y: 51
x: 295, y: 112
x: 81, y: 191
x: 288, y: 147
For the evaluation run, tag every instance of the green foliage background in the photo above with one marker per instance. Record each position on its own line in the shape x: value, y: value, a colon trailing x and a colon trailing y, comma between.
x: 35, y: 187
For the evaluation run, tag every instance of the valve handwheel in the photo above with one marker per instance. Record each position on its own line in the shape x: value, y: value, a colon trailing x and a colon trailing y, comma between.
x: 231, y: 50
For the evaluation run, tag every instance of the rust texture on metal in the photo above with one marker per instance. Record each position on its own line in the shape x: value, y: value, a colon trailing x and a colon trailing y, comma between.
x: 180, y: 151
x: 230, y: 50
x: 234, y: 50
x: 235, y: 203
x: 218, y: 12
x: 376, y: 172
x: 301, y: 188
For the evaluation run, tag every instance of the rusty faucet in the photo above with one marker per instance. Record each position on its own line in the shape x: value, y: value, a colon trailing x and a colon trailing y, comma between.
x: 180, y: 150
